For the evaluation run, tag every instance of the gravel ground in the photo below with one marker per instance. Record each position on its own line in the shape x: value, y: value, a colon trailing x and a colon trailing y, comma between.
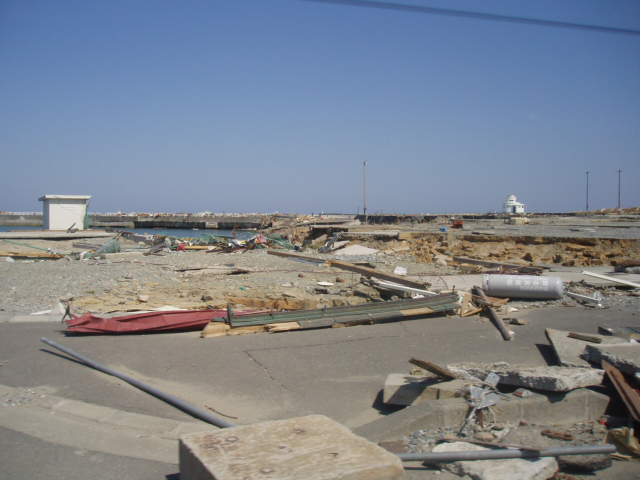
x: 172, y: 279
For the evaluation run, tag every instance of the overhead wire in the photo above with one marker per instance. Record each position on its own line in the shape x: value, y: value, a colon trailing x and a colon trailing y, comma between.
x: 477, y: 15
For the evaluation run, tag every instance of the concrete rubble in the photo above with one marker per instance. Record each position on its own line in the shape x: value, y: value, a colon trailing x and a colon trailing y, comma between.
x: 511, y: 469
x: 625, y: 357
x: 570, y: 352
x: 550, y: 379
x: 530, y: 405
x: 313, y: 447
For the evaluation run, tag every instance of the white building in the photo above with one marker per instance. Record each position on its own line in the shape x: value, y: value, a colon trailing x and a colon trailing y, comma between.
x: 512, y: 206
x: 61, y: 212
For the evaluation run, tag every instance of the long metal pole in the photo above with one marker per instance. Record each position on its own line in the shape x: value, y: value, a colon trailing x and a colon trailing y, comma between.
x: 587, y: 191
x: 619, y: 172
x: 365, y: 192
x: 170, y: 399
x: 445, y: 457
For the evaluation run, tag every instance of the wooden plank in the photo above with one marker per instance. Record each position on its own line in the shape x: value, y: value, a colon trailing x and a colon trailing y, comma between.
x: 283, y: 327
x: 215, y: 329
x: 491, y: 301
x: 495, y: 319
x: 612, y: 279
x: 417, y: 311
x: 630, y: 396
x: 586, y: 338
x: 295, y: 256
x: 247, y: 329
x: 370, y: 272
x: 54, y: 256
x: 466, y: 310
x: 433, y: 368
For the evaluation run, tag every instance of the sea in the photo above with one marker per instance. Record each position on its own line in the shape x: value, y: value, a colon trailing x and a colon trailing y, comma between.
x: 172, y: 232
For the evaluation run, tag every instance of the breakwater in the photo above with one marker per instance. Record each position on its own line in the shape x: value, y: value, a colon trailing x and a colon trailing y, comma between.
x: 165, y: 221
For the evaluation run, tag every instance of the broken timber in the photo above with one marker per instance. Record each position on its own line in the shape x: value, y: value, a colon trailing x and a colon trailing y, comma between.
x: 495, y: 319
x: 370, y: 313
x: 433, y: 368
x: 370, y: 272
x: 612, y: 279
x: 629, y: 395
x: 364, y: 271
x: 487, y: 263
x: 300, y: 258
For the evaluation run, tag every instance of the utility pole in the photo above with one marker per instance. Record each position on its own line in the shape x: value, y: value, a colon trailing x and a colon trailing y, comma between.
x: 619, y: 172
x: 587, y: 191
x: 364, y: 208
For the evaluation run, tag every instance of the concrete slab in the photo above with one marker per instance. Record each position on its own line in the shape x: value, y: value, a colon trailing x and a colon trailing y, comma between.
x: 570, y: 351
x: 577, y: 406
x: 511, y: 469
x: 312, y: 447
x: 625, y: 357
x: 550, y: 379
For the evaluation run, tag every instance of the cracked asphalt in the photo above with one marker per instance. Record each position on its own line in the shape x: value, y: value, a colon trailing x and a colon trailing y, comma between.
x: 335, y: 372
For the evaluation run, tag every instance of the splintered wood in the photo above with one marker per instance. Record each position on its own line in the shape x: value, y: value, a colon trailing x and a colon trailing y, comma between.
x: 433, y: 368
x: 278, y: 304
x: 219, y: 329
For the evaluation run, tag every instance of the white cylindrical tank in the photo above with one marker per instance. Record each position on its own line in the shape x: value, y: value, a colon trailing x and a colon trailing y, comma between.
x: 523, y: 286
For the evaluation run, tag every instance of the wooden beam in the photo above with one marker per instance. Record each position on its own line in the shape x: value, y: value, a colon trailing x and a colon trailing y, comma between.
x: 370, y: 272
x: 495, y: 319
x: 295, y: 256
x: 433, y: 368
x: 629, y: 395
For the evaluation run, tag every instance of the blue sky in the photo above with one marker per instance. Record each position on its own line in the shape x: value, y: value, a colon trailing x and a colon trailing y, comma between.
x: 274, y: 105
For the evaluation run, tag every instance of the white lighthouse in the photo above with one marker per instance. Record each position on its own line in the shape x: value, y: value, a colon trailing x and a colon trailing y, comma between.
x: 512, y: 206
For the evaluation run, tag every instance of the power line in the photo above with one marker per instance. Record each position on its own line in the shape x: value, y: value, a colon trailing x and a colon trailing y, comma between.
x: 482, y: 16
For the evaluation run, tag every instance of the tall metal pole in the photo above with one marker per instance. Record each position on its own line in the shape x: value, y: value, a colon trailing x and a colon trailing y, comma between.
x: 587, y: 191
x: 619, y: 172
x: 365, y: 192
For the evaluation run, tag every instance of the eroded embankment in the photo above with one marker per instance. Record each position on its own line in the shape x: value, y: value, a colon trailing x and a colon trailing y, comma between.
x: 539, y: 250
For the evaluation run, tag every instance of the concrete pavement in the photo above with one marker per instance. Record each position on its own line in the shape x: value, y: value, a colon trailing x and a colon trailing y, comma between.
x: 339, y: 373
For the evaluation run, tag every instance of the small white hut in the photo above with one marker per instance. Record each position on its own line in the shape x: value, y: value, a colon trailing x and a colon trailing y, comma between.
x: 61, y: 212
x: 512, y: 206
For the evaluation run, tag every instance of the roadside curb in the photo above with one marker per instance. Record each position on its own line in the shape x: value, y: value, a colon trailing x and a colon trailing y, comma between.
x: 93, y: 427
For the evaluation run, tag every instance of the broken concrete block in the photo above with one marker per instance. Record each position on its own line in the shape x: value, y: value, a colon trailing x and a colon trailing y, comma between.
x: 510, y: 469
x: 584, y: 463
x: 625, y: 357
x: 581, y: 405
x: 313, y: 447
x: 401, y: 389
x: 550, y: 379
x: 440, y: 390
x: 569, y: 351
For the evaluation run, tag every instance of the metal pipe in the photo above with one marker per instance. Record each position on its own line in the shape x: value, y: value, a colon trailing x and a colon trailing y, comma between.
x: 446, y: 457
x: 25, y: 245
x: 170, y: 399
